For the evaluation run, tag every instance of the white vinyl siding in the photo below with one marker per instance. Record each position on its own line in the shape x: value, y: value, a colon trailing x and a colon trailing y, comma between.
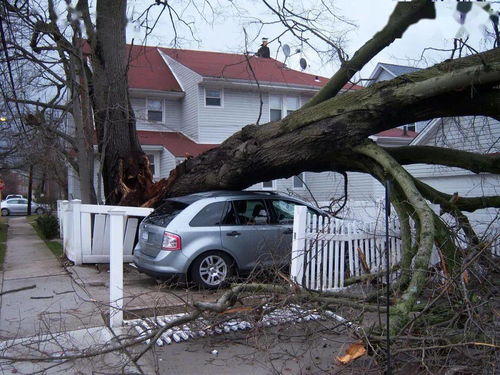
x: 167, y: 163
x: 190, y: 105
x: 241, y: 107
x: 173, y: 113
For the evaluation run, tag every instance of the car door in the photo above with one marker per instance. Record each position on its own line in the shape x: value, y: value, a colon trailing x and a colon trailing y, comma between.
x: 247, y: 233
x: 17, y: 206
x: 23, y: 206
x: 282, y: 211
x: 282, y: 218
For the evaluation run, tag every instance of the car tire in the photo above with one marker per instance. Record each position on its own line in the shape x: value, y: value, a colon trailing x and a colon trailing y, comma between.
x: 212, y: 270
x: 39, y: 211
x: 5, y: 212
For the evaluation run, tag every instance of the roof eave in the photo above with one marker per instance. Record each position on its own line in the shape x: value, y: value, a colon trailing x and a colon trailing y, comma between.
x: 159, y: 93
x: 232, y: 82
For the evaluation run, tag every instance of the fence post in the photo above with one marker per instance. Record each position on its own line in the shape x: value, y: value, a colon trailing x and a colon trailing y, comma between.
x: 116, y: 267
x: 298, y: 243
x: 62, y: 206
x: 75, y: 243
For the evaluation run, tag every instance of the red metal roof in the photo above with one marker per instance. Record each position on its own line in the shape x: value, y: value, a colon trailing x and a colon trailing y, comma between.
x: 177, y: 143
x: 397, y: 132
x: 235, y: 66
x: 147, y: 70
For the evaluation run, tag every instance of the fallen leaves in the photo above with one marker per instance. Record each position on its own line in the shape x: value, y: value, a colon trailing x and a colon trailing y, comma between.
x: 354, y: 351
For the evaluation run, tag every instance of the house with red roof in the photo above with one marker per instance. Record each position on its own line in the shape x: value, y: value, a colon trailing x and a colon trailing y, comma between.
x: 187, y: 102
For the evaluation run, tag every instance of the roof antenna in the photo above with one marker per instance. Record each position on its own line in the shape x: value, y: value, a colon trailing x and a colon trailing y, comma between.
x: 303, y: 63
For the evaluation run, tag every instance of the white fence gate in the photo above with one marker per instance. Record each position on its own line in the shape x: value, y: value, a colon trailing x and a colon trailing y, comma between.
x: 85, y: 230
x: 326, y: 250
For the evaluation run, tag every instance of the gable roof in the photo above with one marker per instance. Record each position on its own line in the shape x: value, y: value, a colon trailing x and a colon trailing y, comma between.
x: 148, y: 70
x: 177, y: 143
x: 393, y: 69
x: 236, y: 66
x: 398, y: 70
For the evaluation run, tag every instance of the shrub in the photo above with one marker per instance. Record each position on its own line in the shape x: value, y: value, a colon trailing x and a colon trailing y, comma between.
x: 49, y: 226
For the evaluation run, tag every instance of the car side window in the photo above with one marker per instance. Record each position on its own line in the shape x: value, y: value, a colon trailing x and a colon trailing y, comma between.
x: 209, y: 216
x: 229, y: 215
x: 284, y: 211
x: 250, y: 212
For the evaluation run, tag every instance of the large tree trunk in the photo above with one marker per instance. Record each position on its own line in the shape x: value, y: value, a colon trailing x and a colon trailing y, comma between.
x: 126, y: 172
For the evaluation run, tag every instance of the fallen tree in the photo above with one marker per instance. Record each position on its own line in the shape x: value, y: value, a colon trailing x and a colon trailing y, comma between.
x: 330, y: 134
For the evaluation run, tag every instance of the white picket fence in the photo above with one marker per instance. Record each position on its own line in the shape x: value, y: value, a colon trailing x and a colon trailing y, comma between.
x: 325, y: 250
x: 85, y: 230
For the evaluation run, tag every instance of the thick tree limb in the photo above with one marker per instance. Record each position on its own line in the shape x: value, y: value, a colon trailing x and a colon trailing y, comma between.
x: 477, y: 163
x: 40, y: 104
x: 426, y: 239
x: 404, y: 15
x: 449, y: 203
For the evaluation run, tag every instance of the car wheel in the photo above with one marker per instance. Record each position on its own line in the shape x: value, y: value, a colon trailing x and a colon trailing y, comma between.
x: 212, y: 270
x: 5, y: 212
x: 39, y: 211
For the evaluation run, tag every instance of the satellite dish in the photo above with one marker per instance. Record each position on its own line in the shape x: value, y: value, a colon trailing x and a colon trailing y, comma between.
x: 303, y: 63
x: 286, y: 50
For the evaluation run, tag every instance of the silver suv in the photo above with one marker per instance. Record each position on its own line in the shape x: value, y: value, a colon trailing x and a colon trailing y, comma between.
x: 212, y: 236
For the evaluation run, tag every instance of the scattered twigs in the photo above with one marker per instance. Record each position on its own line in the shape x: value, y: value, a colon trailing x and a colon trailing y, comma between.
x: 18, y: 289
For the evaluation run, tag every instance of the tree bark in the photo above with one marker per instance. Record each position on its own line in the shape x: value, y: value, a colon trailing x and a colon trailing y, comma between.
x: 126, y: 173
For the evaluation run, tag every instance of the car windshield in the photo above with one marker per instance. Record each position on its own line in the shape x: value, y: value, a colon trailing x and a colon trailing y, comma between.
x: 165, y: 213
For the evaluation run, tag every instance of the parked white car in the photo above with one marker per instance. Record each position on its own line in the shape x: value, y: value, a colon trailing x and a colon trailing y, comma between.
x: 19, y: 206
x: 10, y: 196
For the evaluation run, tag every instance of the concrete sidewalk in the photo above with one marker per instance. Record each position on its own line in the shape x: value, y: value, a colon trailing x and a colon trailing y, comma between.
x: 51, y: 302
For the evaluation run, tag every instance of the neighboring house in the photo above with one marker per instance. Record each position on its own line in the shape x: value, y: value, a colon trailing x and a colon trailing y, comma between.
x: 475, y: 133
x: 469, y: 133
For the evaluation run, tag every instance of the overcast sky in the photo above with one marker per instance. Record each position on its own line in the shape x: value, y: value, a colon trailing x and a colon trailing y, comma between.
x: 225, y: 31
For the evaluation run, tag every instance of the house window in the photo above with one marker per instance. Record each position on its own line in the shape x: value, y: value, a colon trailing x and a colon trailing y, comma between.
x: 411, y: 127
x: 292, y: 104
x: 281, y: 105
x: 275, y: 105
x: 155, y: 110
x: 298, y: 181
x: 213, y: 98
x: 268, y: 185
x: 139, y: 107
